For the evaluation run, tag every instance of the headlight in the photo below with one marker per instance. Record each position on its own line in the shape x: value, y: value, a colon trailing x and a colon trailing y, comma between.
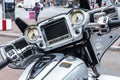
x: 32, y: 34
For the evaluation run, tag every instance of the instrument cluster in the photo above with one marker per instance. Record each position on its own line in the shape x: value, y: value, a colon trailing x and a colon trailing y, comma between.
x: 58, y: 30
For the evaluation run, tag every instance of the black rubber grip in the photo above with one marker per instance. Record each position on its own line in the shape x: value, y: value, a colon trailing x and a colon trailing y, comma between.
x: 4, y: 63
x: 114, y: 23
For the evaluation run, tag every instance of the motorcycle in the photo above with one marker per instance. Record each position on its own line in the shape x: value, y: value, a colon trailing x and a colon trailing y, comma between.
x: 68, y: 46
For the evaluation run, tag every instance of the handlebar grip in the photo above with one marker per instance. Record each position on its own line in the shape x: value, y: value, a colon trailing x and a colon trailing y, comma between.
x: 4, y: 63
x: 114, y: 23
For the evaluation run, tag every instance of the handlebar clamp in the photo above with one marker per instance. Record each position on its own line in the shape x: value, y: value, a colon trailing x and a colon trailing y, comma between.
x: 101, y: 26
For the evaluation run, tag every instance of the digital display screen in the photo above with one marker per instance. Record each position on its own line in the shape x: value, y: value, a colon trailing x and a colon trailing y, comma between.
x: 55, y: 29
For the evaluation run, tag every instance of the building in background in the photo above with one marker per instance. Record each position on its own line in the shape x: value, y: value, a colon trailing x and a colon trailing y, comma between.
x: 56, y: 2
x: 62, y: 2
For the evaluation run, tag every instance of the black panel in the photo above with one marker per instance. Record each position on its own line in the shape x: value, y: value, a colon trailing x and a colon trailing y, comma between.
x: 55, y: 29
x: 21, y: 24
x: 21, y: 43
x: 8, y: 48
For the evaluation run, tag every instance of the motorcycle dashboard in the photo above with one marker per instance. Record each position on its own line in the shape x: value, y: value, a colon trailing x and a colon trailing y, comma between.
x: 58, y: 30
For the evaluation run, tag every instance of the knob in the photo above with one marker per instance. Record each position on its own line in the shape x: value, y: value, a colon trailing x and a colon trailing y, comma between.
x: 77, y: 31
x: 41, y: 44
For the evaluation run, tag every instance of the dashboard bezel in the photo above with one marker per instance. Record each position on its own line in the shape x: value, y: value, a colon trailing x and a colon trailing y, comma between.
x: 75, y: 31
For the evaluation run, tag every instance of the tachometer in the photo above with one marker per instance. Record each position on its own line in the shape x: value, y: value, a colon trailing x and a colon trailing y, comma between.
x: 32, y: 34
x: 77, y: 17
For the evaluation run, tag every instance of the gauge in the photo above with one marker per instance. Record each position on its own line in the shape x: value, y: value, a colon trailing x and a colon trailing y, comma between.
x: 77, y: 17
x: 32, y: 34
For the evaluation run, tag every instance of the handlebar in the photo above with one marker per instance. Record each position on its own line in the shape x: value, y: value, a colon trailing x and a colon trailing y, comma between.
x: 103, y: 25
x: 13, y: 56
x: 113, y: 23
x: 4, y: 63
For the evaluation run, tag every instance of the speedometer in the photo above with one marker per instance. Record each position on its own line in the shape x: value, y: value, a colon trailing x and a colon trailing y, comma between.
x: 32, y: 34
x: 77, y: 17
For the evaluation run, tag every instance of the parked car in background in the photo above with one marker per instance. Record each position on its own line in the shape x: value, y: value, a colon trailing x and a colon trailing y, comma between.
x: 20, y: 4
x: 28, y: 5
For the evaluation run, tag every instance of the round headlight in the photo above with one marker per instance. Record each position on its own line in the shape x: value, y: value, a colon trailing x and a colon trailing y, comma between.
x: 32, y: 34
